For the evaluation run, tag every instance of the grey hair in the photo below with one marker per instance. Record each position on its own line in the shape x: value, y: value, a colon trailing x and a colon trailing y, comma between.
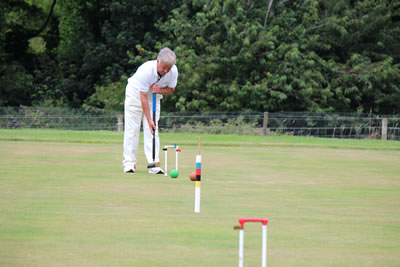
x: 167, y: 56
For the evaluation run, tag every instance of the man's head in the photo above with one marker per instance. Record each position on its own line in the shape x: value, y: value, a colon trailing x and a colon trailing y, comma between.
x: 165, y: 60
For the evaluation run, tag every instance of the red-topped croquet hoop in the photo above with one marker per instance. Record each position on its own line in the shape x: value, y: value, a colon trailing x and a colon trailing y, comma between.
x: 264, y: 222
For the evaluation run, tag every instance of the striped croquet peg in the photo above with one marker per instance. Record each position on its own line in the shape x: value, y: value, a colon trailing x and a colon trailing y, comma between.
x: 198, y: 182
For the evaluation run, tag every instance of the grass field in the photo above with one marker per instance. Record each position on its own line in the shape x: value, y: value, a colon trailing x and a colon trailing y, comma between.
x: 64, y: 201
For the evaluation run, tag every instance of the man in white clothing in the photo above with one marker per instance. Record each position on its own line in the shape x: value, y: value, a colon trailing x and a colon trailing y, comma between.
x: 155, y: 76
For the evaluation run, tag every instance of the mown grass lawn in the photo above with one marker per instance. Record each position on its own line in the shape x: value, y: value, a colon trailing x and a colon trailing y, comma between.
x: 64, y: 201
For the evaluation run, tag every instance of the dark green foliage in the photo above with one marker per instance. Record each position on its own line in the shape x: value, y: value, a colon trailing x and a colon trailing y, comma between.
x: 19, y: 22
x: 310, y: 55
x: 233, y: 55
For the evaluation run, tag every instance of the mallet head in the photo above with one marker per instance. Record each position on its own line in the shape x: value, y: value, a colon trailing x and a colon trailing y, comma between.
x: 153, y: 164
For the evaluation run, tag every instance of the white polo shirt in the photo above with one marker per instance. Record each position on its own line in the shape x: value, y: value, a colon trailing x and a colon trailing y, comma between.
x: 145, y: 76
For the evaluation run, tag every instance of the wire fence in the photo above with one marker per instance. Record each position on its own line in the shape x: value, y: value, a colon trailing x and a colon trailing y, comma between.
x: 329, y: 125
x: 57, y: 118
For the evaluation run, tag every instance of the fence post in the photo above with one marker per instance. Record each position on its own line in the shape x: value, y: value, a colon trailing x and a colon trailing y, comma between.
x: 384, y: 128
x: 265, y: 123
x: 120, y: 124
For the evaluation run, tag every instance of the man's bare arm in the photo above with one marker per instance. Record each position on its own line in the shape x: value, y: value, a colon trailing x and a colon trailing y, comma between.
x: 162, y: 91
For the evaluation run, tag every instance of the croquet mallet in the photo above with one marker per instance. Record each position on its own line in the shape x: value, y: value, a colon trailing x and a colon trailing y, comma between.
x: 154, y: 164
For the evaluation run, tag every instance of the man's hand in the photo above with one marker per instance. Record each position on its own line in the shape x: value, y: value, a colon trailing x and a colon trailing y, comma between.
x: 156, y: 88
x: 163, y: 91
x: 152, y: 126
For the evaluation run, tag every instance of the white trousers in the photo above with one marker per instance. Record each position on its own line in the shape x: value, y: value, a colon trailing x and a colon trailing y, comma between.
x: 134, y: 116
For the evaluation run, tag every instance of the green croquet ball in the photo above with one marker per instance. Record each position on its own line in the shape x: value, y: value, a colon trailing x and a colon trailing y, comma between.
x: 174, y: 174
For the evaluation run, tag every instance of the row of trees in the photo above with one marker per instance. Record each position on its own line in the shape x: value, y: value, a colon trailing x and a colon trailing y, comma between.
x: 232, y: 55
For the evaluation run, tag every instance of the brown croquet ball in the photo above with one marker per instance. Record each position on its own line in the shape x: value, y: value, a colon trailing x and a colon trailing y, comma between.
x: 192, y: 176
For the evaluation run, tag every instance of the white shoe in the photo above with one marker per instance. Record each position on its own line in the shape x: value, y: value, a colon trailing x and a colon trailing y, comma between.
x: 156, y: 170
x: 130, y: 169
